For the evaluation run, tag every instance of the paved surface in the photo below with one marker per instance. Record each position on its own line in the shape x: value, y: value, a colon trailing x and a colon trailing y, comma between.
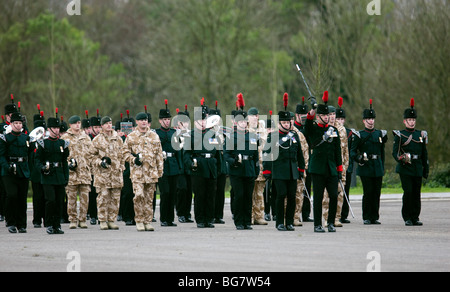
x: 390, y: 246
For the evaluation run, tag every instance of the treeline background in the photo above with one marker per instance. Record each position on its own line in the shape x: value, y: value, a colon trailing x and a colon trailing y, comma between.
x: 124, y: 54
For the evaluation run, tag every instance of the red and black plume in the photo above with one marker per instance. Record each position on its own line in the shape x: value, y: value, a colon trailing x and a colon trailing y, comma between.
x: 285, y: 100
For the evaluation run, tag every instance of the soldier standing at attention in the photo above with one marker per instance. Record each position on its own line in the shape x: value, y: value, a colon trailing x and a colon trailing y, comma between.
x: 108, y: 167
x: 143, y: 151
x: 241, y: 153
x: 184, y: 189
x: 79, y: 163
x: 325, y: 162
x: 368, y: 151
x: 9, y: 110
x: 260, y: 134
x: 285, y: 168
x: 14, y: 151
x: 96, y: 127
x: 222, y: 171
x: 172, y: 169
x: 200, y: 157
x: 410, y: 152
x: 51, y: 159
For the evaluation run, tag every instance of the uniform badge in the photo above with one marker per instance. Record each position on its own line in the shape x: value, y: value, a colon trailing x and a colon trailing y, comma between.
x: 253, y: 141
x: 213, y: 141
x: 62, y: 150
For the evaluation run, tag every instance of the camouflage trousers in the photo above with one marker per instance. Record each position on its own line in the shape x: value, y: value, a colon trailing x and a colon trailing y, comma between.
x: 72, y: 191
x: 258, y: 201
x: 326, y: 202
x: 108, y: 204
x: 143, y: 202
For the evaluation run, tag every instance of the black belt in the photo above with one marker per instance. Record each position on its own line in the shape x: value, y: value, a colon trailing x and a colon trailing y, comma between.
x: 247, y: 157
x: 204, y: 155
x: 373, y: 156
x: 18, y: 159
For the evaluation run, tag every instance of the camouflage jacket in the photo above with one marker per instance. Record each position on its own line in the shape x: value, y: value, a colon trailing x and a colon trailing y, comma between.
x: 305, y: 147
x: 81, y: 149
x: 112, y: 147
x: 344, y: 148
x: 149, y: 147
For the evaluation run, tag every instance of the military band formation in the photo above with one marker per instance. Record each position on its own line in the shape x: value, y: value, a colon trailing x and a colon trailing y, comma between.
x: 86, y: 170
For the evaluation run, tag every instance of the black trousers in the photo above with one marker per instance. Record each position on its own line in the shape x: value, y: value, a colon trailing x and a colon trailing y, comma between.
x: 38, y: 203
x: 204, y: 195
x: 168, y: 194
x: 54, y: 196
x: 320, y: 183
x: 411, y: 207
x: 220, y: 196
x: 285, y: 189
x: 92, y: 206
x: 243, y: 190
x: 371, y: 197
x: 184, y: 196
x: 126, y: 199
x: 270, y: 202
x: 16, y: 201
x: 345, y: 208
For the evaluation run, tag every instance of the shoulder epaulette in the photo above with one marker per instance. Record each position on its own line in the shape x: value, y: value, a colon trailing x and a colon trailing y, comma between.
x: 356, y: 133
x: 41, y: 142
x: 396, y: 133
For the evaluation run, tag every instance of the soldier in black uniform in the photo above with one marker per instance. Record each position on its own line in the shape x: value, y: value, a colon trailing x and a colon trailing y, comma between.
x: 241, y: 154
x: 9, y: 110
x: 325, y: 162
x: 283, y: 162
x: 14, y: 151
x: 368, y: 151
x: 172, y: 168
x: 200, y: 158
x: 340, y: 117
x: 96, y: 127
x: 184, y: 185
x: 51, y: 159
x: 35, y: 178
x: 410, y: 152
x: 222, y: 171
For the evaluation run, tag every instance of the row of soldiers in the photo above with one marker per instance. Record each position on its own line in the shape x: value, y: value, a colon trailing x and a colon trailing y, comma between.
x: 271, y: 165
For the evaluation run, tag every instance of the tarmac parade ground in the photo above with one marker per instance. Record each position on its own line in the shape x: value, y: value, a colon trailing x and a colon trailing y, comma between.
x: 389, y: 247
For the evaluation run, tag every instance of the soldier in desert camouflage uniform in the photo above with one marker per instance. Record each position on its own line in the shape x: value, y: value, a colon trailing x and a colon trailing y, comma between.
x: 345, y: 161
x: 260, y: 182
x: 301, y: 181
x: 142, y: 149
x: 80, y: 172
x: 108, y: 166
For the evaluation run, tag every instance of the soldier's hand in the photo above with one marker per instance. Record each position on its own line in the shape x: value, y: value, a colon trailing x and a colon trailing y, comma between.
x: 46, y: 168
x: 137, y: 161
x: 12, y: 169
x: 73, y: 164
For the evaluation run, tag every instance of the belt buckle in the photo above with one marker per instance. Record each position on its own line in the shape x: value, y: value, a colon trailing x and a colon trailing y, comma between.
x: 208, y: 155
